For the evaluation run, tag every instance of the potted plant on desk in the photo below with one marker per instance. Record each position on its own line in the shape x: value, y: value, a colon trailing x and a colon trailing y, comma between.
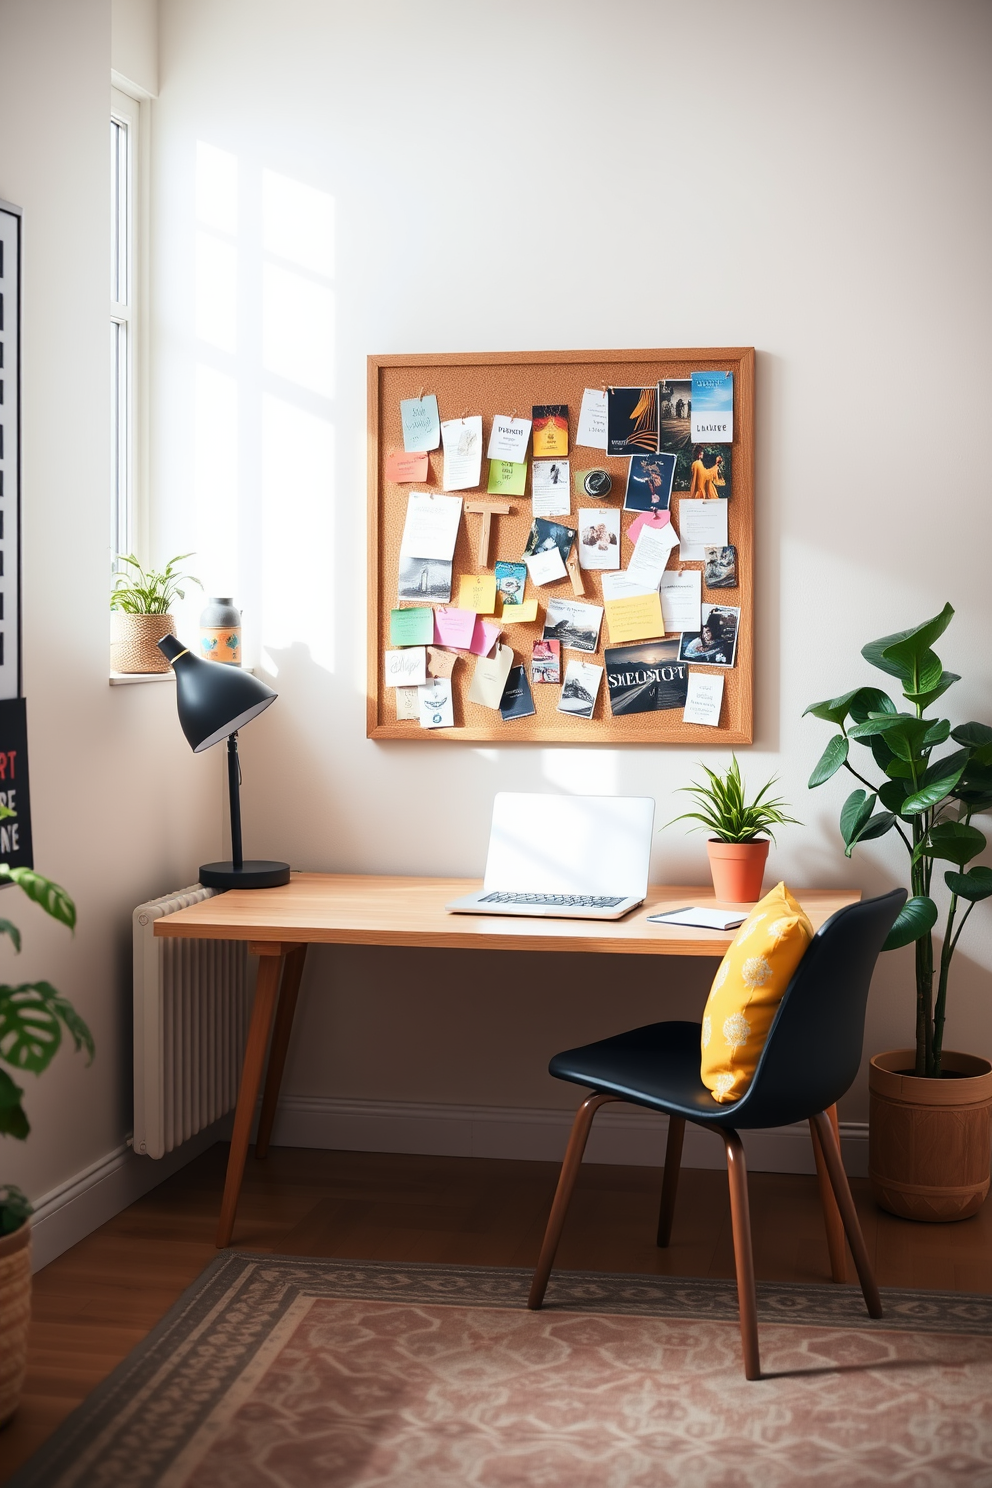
x: 737, y: 850
x: 139, y: 602
x: 32, y: 1018
x: 930, y: 1123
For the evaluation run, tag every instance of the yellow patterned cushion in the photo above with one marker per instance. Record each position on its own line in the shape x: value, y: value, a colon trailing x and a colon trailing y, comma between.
x: 747, y: 990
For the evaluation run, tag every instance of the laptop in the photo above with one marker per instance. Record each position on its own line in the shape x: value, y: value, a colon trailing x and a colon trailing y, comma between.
x: 570, y: 857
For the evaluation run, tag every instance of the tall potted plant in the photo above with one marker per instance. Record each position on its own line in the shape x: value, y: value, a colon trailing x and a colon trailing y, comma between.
x: 139, y: 603
x: 737, y: 850
x: 930, y: 1128
x: 33, y: 1017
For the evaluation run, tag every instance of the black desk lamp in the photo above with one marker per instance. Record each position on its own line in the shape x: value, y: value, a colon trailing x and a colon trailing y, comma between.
x: 214, y: 701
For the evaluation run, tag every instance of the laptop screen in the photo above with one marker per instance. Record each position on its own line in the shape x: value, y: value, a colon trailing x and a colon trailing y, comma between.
x: 570, y: 844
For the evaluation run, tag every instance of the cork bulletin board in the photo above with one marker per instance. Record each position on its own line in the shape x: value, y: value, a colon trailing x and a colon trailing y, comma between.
x: 504, y: 383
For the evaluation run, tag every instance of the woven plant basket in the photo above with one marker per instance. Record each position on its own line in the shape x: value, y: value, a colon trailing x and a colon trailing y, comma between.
x: 134, y: 642
x: 15, y: 1315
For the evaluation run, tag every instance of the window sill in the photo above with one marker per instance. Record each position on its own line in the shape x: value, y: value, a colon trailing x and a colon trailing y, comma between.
x: 127, y: 679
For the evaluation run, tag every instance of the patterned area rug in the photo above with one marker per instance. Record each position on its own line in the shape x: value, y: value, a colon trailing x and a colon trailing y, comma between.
x: 277, y: 1372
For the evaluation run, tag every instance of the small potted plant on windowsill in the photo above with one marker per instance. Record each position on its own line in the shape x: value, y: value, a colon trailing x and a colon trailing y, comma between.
x: 737, y: 851
x: 139, y: 602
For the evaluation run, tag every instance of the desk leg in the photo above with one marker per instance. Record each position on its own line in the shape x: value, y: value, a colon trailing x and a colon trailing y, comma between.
x: 833, y: 1223
x: 266, y: 989
x: 292, y: 975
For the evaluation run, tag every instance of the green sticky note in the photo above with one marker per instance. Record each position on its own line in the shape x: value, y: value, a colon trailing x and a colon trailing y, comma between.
x: 507, y: 478
x: 414, y: 627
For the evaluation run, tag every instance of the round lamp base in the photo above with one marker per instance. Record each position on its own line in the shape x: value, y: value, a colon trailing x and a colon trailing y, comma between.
x: 254, y: 873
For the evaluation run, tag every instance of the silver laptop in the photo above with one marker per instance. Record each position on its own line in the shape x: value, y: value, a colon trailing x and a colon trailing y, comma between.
x: 581, y: 857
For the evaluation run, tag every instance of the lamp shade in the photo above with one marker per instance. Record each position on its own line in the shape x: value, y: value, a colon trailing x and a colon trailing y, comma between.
x: 213, y: 701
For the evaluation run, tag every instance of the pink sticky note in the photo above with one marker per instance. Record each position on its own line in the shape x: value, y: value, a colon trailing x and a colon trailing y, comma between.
x: 403, y: 467
x: 484, y: 637
x: 454, y: 628
x: 647, y: 519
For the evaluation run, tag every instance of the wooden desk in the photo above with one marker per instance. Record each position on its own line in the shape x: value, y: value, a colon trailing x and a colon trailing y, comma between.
x: 353, y: 909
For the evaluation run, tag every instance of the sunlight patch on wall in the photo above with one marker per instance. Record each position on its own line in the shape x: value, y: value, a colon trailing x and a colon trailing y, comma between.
x: 298, y: 224
x: 298, y: 329
x: 581, y: 772
x: 216, y: 313
x: 215, y: 479
x: 216, y: 188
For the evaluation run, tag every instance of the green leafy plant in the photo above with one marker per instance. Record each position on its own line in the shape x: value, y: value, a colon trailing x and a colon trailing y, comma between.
x: 928, y: 801
x: 139, y: 591
x: 33, y: 1016
x: 726, y: 814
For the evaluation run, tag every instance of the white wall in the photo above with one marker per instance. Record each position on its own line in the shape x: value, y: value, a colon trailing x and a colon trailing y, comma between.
x: 121, y: 809
x: 810, y: 179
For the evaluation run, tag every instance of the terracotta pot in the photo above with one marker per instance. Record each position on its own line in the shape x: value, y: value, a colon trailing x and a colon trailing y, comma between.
x: 737, y: 869
x: 929, y: 1141
x: 15, y: 1315
x: 134, y: 642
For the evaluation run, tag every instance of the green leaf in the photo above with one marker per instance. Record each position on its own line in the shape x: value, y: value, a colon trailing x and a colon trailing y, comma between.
x: 74, y: 1025
x: 892, y: 794
x: 976, y: 884
x: 868, y: 700
x: 834, y: 710
x: 7, y: 928
x: 938, y: 782
x: 881, y: 752
x: 916, y: 919
x: 854, y: 813
x: 973, y: 735
x: 953, y: 841
x: 876, y: 826
x: 13, y: 1121
x: 15, y: 1208
x: 53, y: 899
x: 923, y: 700
x: 897, y: 653
x: 904, y: 733
x: 830, y: 760
x: 937, y: 733
x: 30, y: 1031
x: 975, y: 787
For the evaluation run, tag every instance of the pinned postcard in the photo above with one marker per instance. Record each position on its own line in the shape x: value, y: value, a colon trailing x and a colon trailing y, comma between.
x: 425, y: 578
x: 510, y: 581
x: 712, y: 401
x: 647, y: 519
x: 401, y: 467
x: 592, y: 419
x: 506, y: 478
x: 549, y: 488
x: 544, y: 536
x: 406, y: 668
x: 709, y: 473
x: 436, y: 709
x: 632, y: 420
x: 427, y: 546
x: 440, y: 663
x: 703, y: 699
x: 517, y: 700
x: 680, y: 598
x: 489, y: 677
x: 550, y: 429
x: 478, y: 593
x: 599, y: 538
x: 412, y: 627
x: 462, y: 439
x: 407, y: 704
x: 649, y: 483
x: 702, y: 525
x: 545, y: 665
x: 634, y: 617
x: 454, y: 627
x: 421, y: 423
x: 645, y: 679
x: 720, y: 568
x: 521, y: 614
x: 651, y: 553
x: 508, y: 439
x: 484, y: 636
x: 674, y: 400
x: 546, y: 567
x: 573, y: 624
x: 578, y: 695
x: 715, y: 643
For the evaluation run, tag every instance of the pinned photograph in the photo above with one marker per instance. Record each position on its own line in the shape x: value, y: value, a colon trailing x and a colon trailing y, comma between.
x: 510, y: 581
x: 713, y: 407
x: 545, y: 536
x: 436, y: 707
x: 425, y: 579
x: 632, y: 420
x: 599, y: 538
x: 674, y: 415
x: 716, y: 643
x: 549, y: 488
x: 720, y: 568
x: 550, y: 430
x: 572, y: 624
x: 578, y: 695
x: 517, y: 700
x: 545, y: 663
x: 645, y: 679
x: 703, y: 471
x: 649, y: 483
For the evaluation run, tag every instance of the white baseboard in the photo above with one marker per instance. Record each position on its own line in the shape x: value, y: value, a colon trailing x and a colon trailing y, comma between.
x: 84, y: 1202
x: 621, y: 1134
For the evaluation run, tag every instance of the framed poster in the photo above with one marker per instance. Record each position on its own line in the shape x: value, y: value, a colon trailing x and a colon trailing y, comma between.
x: 10, y: 451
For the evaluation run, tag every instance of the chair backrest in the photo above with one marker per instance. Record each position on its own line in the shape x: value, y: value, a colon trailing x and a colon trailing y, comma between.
x: 813, y: 1050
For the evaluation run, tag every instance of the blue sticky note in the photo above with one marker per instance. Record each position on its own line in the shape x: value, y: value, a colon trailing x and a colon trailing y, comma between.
x: 421, y: 423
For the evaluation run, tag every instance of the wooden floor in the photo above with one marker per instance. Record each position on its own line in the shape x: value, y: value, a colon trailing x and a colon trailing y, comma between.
x: 97, y: 1301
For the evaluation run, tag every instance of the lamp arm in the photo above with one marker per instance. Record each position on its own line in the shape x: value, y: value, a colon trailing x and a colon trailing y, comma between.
x: 234, y: 789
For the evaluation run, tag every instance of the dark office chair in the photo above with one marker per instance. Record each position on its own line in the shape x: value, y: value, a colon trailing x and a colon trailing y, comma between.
x: 810, y: 1059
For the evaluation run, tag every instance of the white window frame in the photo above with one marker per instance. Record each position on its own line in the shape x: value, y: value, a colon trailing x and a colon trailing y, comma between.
x: 129, y: 382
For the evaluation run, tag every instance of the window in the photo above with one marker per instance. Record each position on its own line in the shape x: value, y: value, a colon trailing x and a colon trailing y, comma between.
x: 124, y: 330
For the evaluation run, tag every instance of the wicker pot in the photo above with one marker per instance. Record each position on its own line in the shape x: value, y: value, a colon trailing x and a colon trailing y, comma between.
x: 737, y: 869
x: 15, y: 1315
x: 134, y: 642
x: 930, y: 1141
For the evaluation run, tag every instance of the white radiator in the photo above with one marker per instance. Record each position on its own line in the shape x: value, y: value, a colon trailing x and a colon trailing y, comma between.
x: 190, y: 1025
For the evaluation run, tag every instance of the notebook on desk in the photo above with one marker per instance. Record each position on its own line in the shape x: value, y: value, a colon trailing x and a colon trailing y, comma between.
x: 572, y: 857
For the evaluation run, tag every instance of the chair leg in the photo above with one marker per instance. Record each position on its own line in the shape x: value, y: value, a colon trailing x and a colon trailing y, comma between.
x: 845, y: 1203
x: 670, y: 1182
x: 566, y: 1182
x: 743, y: 1257
x: 832, y: 1222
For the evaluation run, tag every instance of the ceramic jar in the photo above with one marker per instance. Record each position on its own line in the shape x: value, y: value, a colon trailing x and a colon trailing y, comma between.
x: 220, y: 632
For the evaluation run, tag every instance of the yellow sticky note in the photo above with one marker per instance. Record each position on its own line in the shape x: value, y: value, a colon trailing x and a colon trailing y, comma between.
x: 477, y: 593
x: 521, y: 613
x: 636, y: 617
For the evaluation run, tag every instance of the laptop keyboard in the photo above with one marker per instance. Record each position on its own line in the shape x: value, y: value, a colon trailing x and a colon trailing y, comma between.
x: 569, y: 901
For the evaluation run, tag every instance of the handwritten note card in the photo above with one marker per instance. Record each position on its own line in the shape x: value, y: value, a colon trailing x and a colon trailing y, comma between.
x: 478, y: 593
x: 654, y: 544
x: 406, y: 668
x: 702, y: 524
x: 703, y: 699
x: 413, y: 627
x: 592, y: 419
x: 454, y: 627
x: 506, y: 478
x: 462, y: 440
x: 401, y: 467
x: 431, y: 525
x: 680, y: 599
x: 636, y: 617
x: 421, y: 423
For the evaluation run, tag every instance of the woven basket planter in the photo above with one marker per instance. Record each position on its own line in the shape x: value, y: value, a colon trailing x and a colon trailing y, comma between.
x: 15, y: 1315
x: 134, y: 642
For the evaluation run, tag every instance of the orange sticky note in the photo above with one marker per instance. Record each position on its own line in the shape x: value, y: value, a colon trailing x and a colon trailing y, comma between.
x: 403, y: 467
x: 477, y: 593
